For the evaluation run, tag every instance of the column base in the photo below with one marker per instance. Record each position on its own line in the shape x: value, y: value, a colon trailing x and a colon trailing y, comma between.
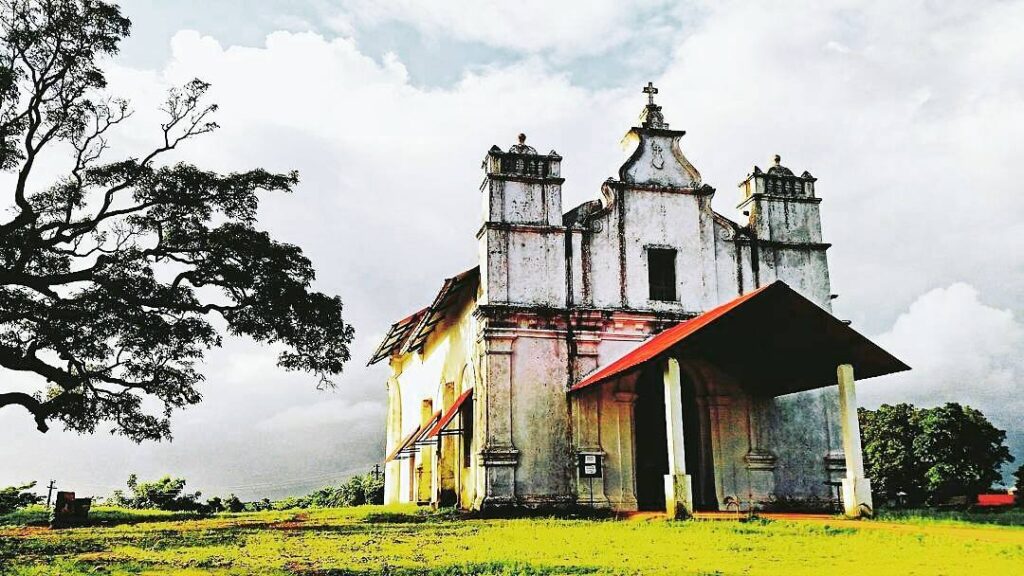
x: 857, y: 498
x: 678, y: 496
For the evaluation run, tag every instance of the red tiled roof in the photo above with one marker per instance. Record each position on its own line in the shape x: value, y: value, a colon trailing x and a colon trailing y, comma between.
x: 396, y: 336
x: 773, y: 336
x: 659, y: 343
x: 410, y: 333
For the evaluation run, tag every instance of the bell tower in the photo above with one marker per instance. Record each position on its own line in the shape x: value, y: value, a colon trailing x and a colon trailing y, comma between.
x: 784, y: 215
x: 522, y: 240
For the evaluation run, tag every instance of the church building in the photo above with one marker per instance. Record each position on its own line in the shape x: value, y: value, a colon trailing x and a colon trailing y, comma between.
x: 637, y: 352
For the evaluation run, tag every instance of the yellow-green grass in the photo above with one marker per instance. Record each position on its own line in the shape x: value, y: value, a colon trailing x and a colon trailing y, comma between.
x: 406, y: 541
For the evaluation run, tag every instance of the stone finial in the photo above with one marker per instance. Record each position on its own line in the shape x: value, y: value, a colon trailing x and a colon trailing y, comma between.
x: 778, y: 169
x: 521, y: 147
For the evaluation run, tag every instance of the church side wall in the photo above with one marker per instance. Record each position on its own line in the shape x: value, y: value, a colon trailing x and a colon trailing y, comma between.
x: 803, y: 440
x: 540, y: 419
x: 422, y: 376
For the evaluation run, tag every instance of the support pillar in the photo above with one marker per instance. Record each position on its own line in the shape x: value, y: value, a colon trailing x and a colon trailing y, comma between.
x: 425, y: 466
x: 499, y: 456
x: 393, y: 469
x: 586, y: 411
x: 445, y: 465
x: 856, y: 487
x: 678, y: 485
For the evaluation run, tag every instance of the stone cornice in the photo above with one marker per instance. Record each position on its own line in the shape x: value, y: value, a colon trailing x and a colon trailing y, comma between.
x: 516, y: 227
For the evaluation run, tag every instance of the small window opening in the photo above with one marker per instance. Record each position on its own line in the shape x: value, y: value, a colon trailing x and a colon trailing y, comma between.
x: 661, y: 273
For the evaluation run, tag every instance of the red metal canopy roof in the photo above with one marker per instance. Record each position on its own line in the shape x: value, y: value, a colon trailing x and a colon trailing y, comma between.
x: 772, y: 338
x: 409, y: 443
x: 402, y: 445
x: 450, y: 414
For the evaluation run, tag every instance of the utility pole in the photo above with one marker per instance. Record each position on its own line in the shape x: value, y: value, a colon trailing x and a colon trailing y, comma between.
x: 49, y: 492
x: 376, y: 472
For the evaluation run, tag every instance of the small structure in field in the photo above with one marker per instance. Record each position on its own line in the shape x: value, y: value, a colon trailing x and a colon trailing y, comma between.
x: 69, y: 510
x: 640, y: 351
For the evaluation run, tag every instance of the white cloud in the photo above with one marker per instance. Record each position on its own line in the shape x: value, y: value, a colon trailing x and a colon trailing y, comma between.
x: 909, y: 115
x: 960, y: 350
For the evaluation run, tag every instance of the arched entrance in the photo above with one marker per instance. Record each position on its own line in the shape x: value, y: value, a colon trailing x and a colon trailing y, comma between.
x: 652, y: 446
x: 651, y: 440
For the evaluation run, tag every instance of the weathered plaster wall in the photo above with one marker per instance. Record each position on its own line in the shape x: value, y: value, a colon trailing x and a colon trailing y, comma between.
x: 422, y: 375
x: 540, y: 419
x: 538, y: 270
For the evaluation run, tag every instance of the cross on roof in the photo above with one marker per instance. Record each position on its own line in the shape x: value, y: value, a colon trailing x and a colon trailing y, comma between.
x: 650, y: 90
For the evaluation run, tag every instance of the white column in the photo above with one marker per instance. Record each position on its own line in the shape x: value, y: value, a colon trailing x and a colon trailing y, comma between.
x: 393, y: 469
x: 678, y: 489
x: 856, y: 488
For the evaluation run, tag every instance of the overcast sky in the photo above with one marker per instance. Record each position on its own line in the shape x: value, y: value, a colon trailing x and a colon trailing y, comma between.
x: 909, y: 113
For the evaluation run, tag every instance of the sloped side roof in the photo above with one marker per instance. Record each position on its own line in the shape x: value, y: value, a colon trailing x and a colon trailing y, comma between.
x: 396, y: 336
x: 772, y: 337
x: 410, y: 333
x: 448, y: 296
x: 408, y: 444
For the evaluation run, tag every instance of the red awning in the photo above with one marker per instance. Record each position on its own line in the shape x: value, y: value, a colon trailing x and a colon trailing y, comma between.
x: 402, y: 445
x: 450, y: 413
x: 408, y: 444
x: 422, y: 438
x: 772, y: 338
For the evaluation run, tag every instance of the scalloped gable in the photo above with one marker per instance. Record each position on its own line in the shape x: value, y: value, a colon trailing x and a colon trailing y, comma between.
x: 657, y: 160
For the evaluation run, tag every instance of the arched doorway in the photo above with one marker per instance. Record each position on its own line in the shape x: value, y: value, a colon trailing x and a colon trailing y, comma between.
x: 652, y: 446
x: 651, y: 440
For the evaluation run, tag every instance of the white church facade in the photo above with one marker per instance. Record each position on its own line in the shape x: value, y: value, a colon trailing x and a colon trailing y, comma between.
x: 638, y: 352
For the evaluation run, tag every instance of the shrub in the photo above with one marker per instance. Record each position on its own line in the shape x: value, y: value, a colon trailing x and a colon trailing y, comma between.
x: 16, y: 497
x: 233, y: 504
x: 163, y: 494
x: 359, y: 490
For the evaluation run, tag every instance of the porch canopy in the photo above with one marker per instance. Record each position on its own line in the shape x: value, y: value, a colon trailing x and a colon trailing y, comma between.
x: 773, y: 340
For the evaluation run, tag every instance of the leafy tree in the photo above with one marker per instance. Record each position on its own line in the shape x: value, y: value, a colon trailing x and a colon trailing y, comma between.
x: 963, y: 451
x: 931, y: 453
x: 15, y: 497
x: 888, y: 435
x: 109, y: 276
x: 233, y: 504
x: 214, y: 505
x: 163, y: 494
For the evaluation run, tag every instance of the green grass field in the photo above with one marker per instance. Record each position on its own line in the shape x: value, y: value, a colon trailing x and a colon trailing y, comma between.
x: 406, y: 541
